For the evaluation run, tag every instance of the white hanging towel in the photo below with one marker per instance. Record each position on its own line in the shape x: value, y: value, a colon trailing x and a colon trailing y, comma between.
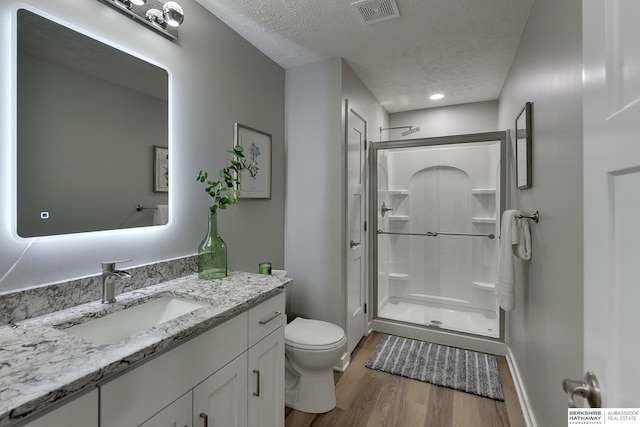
x: 515, y: 240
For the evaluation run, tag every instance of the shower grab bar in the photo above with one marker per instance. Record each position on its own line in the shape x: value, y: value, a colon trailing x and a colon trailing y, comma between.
x: 437, y: 233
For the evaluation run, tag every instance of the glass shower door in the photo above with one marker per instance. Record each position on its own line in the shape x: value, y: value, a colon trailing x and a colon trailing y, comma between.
x: 437, y: 207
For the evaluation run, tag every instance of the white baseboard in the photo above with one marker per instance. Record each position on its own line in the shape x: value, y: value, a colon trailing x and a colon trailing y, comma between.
x: 527, y: 412
x: 342, y: 363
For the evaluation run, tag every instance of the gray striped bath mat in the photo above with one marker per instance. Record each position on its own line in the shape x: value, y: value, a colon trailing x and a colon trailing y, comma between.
x: 464, y: 370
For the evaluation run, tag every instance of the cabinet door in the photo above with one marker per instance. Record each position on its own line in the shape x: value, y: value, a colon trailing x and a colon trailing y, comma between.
x: 266, y: 381
x: 221, y: 399
x: 82, y: 411
x: 178, y: 414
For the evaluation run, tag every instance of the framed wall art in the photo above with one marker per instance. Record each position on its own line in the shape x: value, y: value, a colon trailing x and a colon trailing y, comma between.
x: 257, y: 148
x: 160, y: 169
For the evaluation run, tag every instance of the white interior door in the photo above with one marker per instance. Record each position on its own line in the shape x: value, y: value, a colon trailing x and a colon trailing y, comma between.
x: 356, y: 132
x: 611, y: 197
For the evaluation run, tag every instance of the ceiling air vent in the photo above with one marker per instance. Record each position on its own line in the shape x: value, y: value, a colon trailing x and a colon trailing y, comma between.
x: 373, y: 11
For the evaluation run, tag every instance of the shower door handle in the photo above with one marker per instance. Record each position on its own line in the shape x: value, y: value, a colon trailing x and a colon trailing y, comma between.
x: 384, y: 209
x: 353, y: 244
x: 589, y: 388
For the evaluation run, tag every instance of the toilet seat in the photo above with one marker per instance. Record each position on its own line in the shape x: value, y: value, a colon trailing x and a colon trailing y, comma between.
x: 313, y: 335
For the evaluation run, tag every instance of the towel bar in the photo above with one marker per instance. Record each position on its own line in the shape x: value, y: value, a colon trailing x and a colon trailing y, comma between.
x: 535, y: 216
x: 140, y: 207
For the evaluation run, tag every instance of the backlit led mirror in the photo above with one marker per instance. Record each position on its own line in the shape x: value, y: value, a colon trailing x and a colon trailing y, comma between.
x: 92, y: 133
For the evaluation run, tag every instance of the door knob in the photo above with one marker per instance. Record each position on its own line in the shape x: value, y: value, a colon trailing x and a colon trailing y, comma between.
x: 353, y: 244
x: 588, y: 387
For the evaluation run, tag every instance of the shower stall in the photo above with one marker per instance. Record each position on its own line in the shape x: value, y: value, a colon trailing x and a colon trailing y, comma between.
x: 435, y: 204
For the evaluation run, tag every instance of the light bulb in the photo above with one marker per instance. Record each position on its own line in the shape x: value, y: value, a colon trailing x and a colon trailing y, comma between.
x: 173, y: 13
x: 156, y: 17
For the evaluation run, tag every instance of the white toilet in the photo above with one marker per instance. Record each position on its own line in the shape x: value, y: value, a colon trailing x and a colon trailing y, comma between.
x: 312, y: 347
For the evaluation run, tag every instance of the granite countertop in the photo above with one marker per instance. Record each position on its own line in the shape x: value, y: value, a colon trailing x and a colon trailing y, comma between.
x: 40, y: 364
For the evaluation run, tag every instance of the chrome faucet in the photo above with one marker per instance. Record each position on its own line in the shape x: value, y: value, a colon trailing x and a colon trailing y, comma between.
x: 109, y: 277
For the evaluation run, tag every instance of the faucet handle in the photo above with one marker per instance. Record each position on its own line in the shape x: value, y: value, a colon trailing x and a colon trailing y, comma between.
x: 111, y: 265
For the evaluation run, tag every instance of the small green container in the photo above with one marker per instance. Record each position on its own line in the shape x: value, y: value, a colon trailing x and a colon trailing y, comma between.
x: 264, y: 268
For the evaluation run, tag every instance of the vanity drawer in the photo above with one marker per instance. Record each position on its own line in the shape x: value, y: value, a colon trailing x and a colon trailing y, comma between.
x: 266, y: 318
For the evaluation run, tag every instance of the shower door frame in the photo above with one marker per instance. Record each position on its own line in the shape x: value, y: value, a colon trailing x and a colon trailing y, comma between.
x: 413, y: 330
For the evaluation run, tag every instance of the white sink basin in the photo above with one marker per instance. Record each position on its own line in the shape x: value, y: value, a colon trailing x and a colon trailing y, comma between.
x: 122, y: 324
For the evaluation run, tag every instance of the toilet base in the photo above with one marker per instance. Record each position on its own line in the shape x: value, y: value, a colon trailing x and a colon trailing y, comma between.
x: 316, y: 392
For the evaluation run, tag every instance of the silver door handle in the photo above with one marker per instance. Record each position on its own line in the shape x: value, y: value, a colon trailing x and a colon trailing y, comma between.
x: 384, y: 209
x: 589, y: 388
x: 353, y: 244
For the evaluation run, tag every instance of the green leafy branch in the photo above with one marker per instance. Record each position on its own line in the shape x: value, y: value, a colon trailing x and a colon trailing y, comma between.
x: 225, y: 191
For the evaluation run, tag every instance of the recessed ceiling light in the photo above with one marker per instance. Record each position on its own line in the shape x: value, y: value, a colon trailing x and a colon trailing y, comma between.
x: 436, y: 96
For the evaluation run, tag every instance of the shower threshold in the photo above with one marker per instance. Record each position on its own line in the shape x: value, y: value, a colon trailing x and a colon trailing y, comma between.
x: 449, y: 318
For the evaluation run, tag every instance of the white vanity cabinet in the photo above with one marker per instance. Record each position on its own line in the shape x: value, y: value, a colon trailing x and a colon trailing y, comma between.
x: 82, y: 411
x: 266, y: 363
x: 215, y: 373
x: 266, y: 381
x: 249, y: 391
x: 221, y: 400
x: 178, y: 414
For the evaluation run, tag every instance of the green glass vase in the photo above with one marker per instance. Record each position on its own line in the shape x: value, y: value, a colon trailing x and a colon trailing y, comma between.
x: 212, y: 252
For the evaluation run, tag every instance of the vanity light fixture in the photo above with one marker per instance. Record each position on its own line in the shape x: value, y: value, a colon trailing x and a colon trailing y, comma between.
x: 156, y: 18
x: 173, y: 13
x: 163, y: 17
x: 124, y: 3
x: 436, y: 96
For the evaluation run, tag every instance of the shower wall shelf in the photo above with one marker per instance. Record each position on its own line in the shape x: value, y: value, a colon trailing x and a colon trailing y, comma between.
x: 482, y: 220
x: 398, y: 217
x: 399, y: 192
x: 398, y: 276
x: 483, y: 191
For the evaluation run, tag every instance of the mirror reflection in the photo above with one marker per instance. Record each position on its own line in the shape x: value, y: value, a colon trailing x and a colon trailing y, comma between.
x: 92, y: 133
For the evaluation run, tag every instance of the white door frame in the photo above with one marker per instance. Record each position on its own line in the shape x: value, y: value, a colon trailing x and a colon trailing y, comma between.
x: 350, y: 109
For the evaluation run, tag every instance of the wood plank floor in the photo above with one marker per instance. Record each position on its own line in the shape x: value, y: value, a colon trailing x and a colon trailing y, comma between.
x: 366, y: 397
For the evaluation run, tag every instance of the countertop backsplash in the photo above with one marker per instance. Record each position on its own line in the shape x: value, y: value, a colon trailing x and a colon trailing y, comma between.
x: 16, y: 306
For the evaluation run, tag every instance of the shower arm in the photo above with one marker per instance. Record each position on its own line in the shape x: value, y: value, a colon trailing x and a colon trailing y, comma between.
x: 397, y: 127
x: 437, y: 233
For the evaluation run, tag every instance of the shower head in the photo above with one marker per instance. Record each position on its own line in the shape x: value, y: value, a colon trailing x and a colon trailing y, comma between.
x: 411, y: 130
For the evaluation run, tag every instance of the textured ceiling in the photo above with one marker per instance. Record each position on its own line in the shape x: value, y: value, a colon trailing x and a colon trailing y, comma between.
x: 462, y: 48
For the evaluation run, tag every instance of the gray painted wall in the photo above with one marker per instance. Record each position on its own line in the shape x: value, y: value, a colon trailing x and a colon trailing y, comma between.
x: 315, y: 223
x: 545, y: 330
x: 315, y: 181
x: 363, y: 100
x: 217, y: 79
x: 460, y: 119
